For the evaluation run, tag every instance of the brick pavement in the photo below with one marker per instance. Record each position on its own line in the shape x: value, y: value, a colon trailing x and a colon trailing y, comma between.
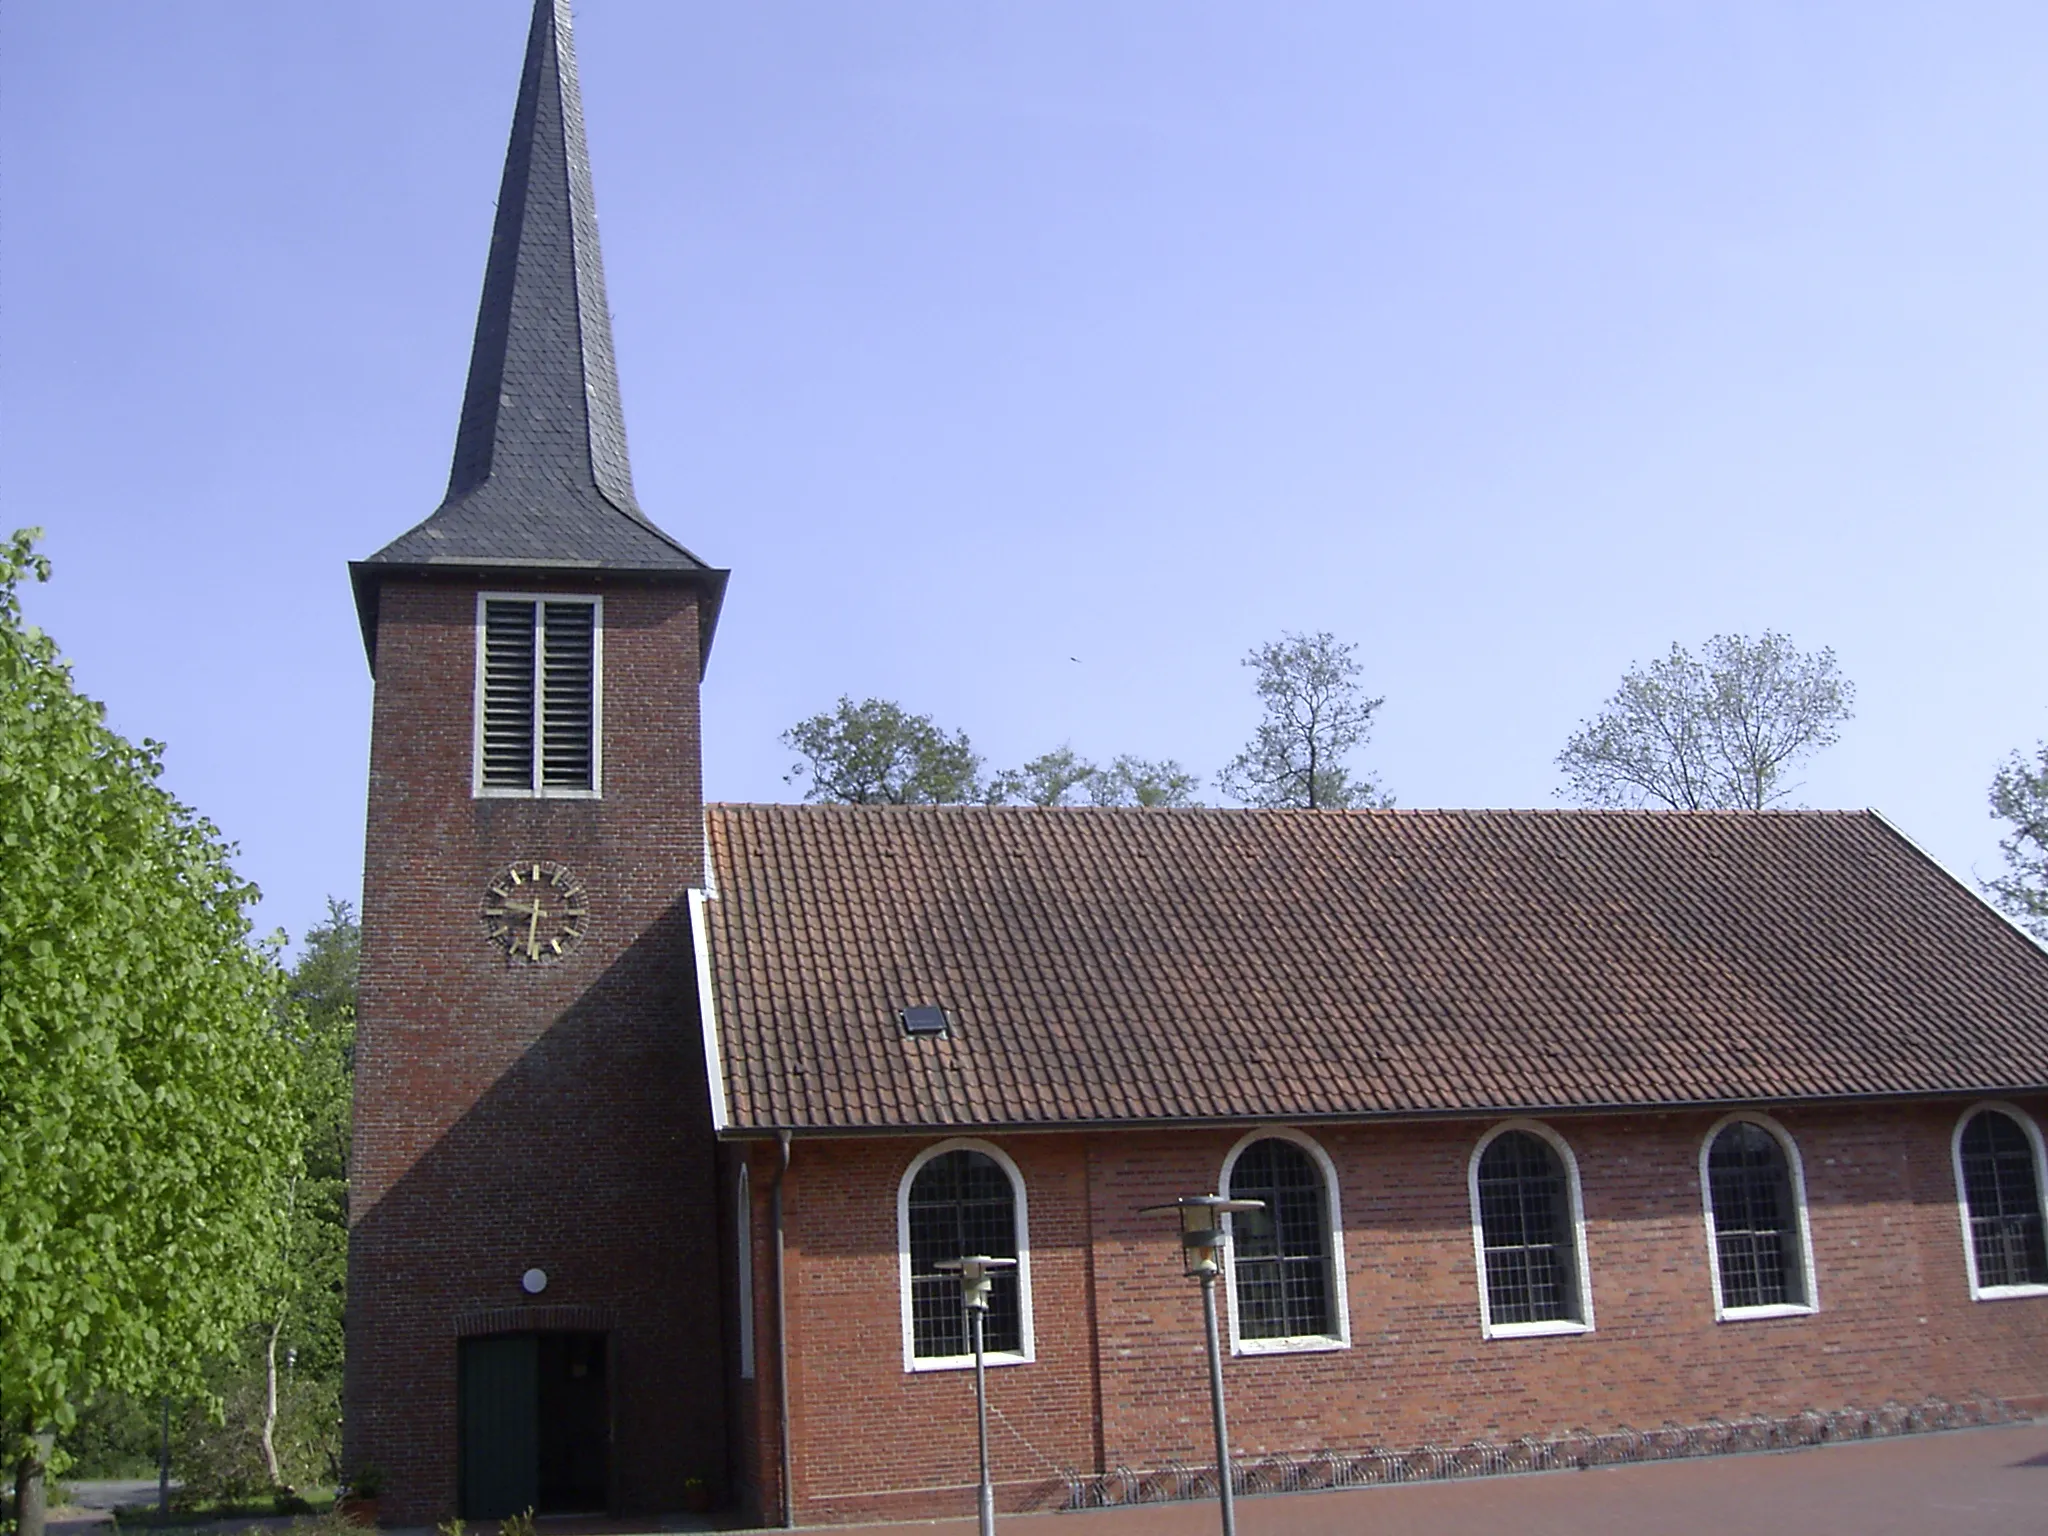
x: 1974, y: 1482
x: 1965, y: 1483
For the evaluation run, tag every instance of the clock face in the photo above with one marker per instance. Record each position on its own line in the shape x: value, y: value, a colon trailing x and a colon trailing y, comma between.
x: 535, y: 912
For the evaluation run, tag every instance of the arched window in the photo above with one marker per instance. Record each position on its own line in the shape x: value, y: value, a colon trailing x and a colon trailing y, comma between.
x: 959, y: 1199
x: 1756, y: 1221
x: 1998, y: 1175
x: 1530, y: 1235
x: 1287, y: 1261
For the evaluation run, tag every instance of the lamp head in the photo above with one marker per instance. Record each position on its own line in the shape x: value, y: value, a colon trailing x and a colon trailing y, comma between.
x: 977, y: 1277
x: 1201, y: 1229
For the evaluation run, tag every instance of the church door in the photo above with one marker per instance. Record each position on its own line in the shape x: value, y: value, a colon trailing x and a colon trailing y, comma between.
x: 535, y: 1424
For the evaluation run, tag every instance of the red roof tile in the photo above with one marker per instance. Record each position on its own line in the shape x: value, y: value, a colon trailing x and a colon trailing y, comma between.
x: 1134, y: 965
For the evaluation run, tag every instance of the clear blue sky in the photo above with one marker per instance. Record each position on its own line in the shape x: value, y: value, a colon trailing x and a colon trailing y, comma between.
x: 1512, y: 341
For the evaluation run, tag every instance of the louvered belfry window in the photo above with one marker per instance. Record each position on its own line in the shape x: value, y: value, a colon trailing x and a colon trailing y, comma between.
x: 538, y: 734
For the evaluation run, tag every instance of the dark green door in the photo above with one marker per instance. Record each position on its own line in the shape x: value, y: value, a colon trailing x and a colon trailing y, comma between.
x: 500, y: 1425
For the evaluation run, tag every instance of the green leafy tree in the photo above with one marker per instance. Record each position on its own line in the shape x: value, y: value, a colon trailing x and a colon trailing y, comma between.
x: 1142, y: 781
x: 145, y: 1148
x: 1316, y: 716
x: 311, y: 1273
x: 2019, y: 794
x: 1721, y: 731
x: 267, y: 1424
x: 877, y: 753
x: 1051, y: 779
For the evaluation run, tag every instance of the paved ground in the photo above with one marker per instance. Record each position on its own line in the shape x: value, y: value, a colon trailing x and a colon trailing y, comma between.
x: 1977, y: 1482
x: 1967, y: 1483
x: 113, y: 1493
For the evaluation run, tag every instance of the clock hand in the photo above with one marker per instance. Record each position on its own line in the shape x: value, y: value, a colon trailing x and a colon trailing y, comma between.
x: 533, y: 933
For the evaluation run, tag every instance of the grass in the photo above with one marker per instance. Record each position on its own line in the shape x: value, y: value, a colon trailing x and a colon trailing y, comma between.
x: 186, y: 1513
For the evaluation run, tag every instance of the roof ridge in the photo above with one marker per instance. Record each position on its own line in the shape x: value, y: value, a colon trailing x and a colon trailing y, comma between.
x: 1532, y: 812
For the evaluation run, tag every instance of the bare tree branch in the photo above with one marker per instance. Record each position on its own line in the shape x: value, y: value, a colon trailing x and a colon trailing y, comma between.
x: 1316, y: 715
x: 2019, y: 794
x: 1716, y: 733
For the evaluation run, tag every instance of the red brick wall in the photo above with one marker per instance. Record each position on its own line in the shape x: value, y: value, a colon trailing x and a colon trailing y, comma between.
x: 517, y: 1116
x: 754, y: 1474
x: 1119, y: 1378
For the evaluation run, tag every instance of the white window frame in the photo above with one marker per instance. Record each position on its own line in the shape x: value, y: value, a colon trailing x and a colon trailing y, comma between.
x: 1488, y: 1328
x: 477, y: 788
x: 911, y: 1360
x: 744, y: 1247
x: 1955, y: 1146
x: 1333, y: 1226
x: 1796, y: 1170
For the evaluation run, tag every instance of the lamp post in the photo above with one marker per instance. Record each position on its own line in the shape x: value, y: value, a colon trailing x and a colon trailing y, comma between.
x: 1201, y: 1246
x: 977, y: 1280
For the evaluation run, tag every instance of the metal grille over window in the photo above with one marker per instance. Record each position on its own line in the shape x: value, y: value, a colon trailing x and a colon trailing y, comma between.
x: 2004, y: 1200
x: 1755, y: 1235
x: 508, y: 695
x: 539, y: 730
x: 1526, y: 1230
x: 961, y: 1204
x: 1281, y: 1255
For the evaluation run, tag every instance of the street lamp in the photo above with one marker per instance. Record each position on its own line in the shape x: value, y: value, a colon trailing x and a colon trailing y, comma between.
x: 977, y: 1280
x: 1201, y: 1246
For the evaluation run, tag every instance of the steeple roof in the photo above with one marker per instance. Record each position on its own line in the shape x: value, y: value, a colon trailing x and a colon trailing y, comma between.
x: 541, y: 481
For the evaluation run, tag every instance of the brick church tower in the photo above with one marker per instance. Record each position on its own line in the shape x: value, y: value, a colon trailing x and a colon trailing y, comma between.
x: 533, y: 1308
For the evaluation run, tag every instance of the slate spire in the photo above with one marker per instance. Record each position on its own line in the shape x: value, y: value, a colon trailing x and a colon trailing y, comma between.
x: 541, y: 480
x: 543, y: 397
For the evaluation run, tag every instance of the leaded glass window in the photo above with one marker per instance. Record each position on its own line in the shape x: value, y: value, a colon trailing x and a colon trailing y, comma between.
x: 961, y: 1204
x: 1525, y: 1223
x: 1756, y: 1232
x: 2003, y: 1198
x: 1281, y: 1255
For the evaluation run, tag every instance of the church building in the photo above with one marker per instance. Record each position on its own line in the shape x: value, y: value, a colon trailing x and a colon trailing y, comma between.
x: 667, y: 1115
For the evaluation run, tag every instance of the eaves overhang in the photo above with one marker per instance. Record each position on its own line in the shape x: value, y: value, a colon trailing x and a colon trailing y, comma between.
x: 368, y: 576
x: 1369, y: 1116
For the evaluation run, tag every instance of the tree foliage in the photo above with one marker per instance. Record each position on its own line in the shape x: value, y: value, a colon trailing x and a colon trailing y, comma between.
x: 1054, y: 778
x: 1716, y: 732
x: 1316, y: 715
x: 145, y: 1146
x: 877, y: 753
x: 1159, y: 782
x: 320, y: 1017
x: 267, y: 1421
x: 303, y: 1329
x: 1062, y: 777
x: 2019, y: 794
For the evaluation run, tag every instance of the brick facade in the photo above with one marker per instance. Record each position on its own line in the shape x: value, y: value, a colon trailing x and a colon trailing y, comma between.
x: 1118, y: 1378
x: 515, y: 1116
x: 1106, y: 966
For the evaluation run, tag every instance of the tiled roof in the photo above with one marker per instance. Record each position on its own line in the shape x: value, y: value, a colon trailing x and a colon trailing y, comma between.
x: 1135, y: 965
x: 541, y: 480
